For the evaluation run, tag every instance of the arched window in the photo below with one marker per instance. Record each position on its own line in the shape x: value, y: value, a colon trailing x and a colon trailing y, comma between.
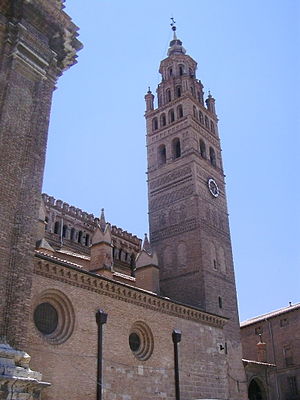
x: 195, y: 112
x: 206, y: 122
x: 87, y: 239
x: 163, y: 120
x: 161, y: 154
x: 181, y: 69
x: 170, y: 71
x: 176, y: 148
x: 168, y: 94
x: 72, y: 234
x: 46, y: 223
x: 212, y: 156
x: 64, y: 232
x: 179, y: 111
x: 79, y: 237
x: 178, y: 91
x: 191, y: 72
x: 56, y: 227
x: 171, y: 116
x: 120, y: 254
x: 212, y: 127
x: 202, y: 149
x: 154, y: 124
x: 200, y: 117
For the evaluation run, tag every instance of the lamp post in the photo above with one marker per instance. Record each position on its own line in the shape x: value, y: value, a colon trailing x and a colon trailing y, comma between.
x: 101, y: 318
x: 176, y: 337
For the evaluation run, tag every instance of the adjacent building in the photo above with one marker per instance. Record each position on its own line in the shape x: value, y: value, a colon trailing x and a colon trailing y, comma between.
x: 271, y: 351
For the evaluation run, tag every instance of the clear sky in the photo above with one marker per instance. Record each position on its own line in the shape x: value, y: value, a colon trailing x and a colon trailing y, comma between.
x: 248, y: 56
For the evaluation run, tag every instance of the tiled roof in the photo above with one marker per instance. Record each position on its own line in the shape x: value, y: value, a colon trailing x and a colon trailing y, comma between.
x: 271, y: 314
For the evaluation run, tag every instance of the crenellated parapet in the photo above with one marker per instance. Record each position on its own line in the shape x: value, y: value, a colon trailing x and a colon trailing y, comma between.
x: 129, y: 237
x: 66, y: 209
x: 72, y: 228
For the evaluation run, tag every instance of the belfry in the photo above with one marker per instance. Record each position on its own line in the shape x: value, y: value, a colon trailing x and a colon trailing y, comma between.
x: 188, y: 217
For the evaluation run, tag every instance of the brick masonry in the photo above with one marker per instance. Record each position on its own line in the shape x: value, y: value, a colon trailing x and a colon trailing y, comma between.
x: 30, y: 64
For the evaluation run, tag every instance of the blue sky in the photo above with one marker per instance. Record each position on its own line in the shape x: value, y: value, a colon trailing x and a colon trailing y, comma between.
x: 248, y: 56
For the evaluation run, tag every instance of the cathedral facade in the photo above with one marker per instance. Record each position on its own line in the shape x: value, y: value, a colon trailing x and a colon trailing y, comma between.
x: 102, y: 313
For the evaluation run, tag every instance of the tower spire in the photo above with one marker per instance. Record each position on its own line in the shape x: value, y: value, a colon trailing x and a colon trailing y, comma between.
x: 175, y: 44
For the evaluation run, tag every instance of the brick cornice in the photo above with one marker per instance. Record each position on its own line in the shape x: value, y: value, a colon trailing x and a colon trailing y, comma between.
x: 71, y: 274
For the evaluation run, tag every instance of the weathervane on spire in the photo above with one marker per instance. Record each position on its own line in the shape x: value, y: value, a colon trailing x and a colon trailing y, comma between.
x: 173, y: 24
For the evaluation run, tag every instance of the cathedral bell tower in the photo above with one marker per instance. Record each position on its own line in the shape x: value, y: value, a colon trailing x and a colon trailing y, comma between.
x: 188, y: 216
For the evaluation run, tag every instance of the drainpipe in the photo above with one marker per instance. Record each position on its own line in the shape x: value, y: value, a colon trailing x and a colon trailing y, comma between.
x: 176, y: 337
x: 101, y: 318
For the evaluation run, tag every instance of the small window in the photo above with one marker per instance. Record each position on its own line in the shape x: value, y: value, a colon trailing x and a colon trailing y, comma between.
x: 168, y: 94
x: 170, y: 72
x: 181, y: 70
x: 64, y: 232
x: 284, y: 322
x: 215, y: 264
x: 178, y: 91
x: 220, y: 302
x: 163, y: 120
x: 206, y: 122
x: 161, y: 153
x: 46, y: 223
x: 176, y: 148
x: 212, y: 127
x: 154, y: 124
x: 171, y: 116
x: 87, y: 239
x: 72, y: 234
x: 45, y: 318
x: 79, y: 237
x: 191, y: 72
x: 179, y: 111
x: 202, y: 149
x: 194, y: 112
x: 212, y: 156
x: 56, y: 227
x: 200, y: 117
x: 193, y: 91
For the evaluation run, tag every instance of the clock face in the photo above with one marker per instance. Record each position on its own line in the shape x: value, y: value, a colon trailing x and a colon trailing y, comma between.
x: 213, y: 187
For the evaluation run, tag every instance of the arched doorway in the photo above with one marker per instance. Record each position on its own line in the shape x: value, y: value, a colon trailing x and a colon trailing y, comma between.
x: 256, y: 391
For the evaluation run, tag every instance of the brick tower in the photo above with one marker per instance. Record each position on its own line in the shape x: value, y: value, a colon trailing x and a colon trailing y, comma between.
x: 37, y: 43
x: 188, y: 215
